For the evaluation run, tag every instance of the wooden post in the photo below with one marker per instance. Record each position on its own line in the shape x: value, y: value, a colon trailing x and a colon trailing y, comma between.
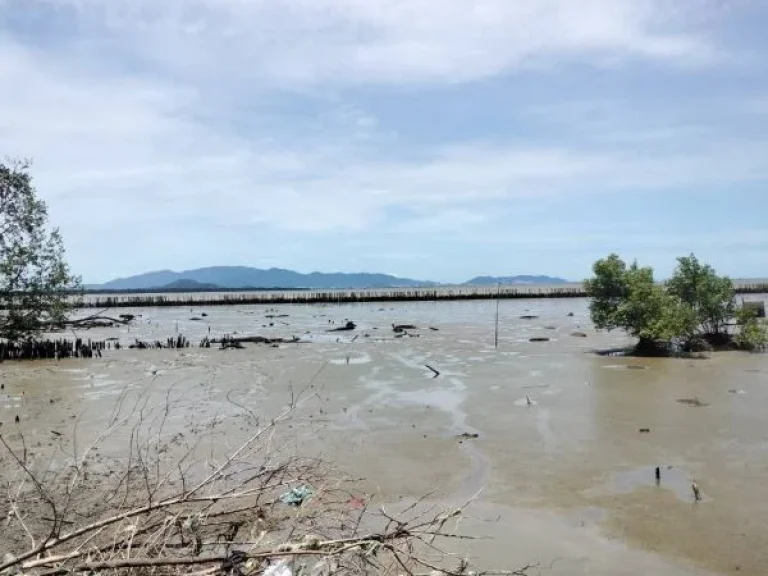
x: 496, y: 332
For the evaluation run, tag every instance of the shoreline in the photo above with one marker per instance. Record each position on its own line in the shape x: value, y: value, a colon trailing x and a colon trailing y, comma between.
x: 146, y: 299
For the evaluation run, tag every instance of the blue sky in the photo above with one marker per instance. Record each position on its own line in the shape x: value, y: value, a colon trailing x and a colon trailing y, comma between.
x: 437, y: 139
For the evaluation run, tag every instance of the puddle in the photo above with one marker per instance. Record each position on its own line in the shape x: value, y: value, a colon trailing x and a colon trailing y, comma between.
x: 351, y: 360
x: 673, y: 478
x: 526, y: 402
x: 588, y: 516
x: 624, y: 367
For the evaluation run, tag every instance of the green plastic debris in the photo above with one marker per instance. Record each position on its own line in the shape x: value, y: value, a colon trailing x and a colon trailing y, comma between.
x: 296, y: 496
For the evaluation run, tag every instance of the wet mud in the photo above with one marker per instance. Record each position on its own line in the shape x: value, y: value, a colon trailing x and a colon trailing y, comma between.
x: 557, y: 445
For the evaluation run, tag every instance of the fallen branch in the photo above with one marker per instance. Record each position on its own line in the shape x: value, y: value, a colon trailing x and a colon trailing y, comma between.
x: 225, y: 512
x: 253, y: 340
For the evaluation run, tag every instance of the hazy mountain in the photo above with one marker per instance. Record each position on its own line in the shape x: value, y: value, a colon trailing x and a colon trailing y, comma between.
x: 244, y: 277
x: 186, y: 284
x: 523, y: 279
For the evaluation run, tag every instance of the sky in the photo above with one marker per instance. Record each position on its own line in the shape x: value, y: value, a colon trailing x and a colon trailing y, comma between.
x: 432, y: 139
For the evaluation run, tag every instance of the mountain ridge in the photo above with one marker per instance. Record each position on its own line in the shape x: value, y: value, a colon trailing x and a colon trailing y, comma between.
x: 520, y: 279
x: 235, y: 277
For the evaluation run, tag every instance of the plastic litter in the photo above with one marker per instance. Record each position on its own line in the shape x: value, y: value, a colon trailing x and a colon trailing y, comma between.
x: 280, y: 568
x: 296, y: 496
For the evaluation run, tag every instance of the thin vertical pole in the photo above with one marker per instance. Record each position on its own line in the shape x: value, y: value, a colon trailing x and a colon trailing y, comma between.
x: 496, y: 331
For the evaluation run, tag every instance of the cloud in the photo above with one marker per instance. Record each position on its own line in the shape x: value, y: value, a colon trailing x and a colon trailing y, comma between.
x: 290, y: 42
x: 204, y: 131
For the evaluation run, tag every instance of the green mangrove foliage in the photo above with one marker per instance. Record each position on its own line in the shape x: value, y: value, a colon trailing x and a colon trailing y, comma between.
x: 34, y: 275
x: 692, y: 310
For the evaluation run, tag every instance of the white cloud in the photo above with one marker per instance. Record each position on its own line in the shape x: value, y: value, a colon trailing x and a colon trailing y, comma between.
x: 132, y: 151
x: 287, y: 42
x: 150, y: 119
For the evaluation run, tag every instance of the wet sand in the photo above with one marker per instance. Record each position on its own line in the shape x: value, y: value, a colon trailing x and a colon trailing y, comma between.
x: 566, y: 478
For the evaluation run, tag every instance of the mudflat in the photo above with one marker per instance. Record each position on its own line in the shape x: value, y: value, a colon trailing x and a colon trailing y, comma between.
x: 557, y: 445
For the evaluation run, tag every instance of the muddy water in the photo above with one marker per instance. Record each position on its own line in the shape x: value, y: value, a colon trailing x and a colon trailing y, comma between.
x: 564, y: 474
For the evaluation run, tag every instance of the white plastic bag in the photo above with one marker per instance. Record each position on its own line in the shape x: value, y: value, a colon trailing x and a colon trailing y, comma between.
x: 281, y: 568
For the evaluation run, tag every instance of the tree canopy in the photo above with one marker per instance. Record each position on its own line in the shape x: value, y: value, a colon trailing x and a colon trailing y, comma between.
x: 709, y: 295
x: 695, y: 305
x: 34, y: 275
x: 628, y: 297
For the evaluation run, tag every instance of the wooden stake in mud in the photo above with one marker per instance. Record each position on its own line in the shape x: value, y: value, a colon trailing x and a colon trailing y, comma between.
x: 496, y: 331
x: 696, y: 492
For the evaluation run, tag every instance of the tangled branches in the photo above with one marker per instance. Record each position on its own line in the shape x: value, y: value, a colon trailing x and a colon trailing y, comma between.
x: 166, y: 502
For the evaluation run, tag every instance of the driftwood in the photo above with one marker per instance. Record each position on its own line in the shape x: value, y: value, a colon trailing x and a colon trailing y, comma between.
x: 95, y: 321
x: 346, y: 328
x: 253, y: 340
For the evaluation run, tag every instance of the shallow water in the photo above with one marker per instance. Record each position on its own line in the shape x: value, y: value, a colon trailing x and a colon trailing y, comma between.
x: 566, y: 475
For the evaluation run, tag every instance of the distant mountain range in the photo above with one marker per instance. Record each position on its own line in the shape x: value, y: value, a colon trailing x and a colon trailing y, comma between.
x: 237, y: 277
x: 523, y: 279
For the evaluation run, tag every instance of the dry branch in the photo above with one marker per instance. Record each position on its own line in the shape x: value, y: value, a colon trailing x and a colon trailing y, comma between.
x: 223, y: 512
